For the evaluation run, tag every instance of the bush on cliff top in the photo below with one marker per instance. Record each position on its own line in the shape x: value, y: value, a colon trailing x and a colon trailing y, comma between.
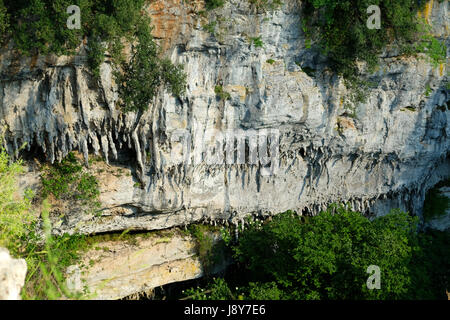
x: 39, y: 26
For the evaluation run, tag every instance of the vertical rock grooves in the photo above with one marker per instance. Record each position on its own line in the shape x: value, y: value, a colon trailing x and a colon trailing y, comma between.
x: 387, y: 156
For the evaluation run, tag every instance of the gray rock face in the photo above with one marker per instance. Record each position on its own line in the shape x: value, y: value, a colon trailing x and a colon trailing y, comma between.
x: 387, y: 156
x: 12, y: 276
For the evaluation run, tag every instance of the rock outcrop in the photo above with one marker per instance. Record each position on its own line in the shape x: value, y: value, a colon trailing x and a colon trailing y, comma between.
x: 386, y: 155
x: 442, y: 221
x: 12, y: 276
x: 119, y: 269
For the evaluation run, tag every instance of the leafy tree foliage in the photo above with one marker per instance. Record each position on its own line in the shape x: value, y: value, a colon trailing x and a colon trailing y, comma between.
x: 345, y: 38
x: 217, y: 290
x: 14, y: 209
x: 4, y: 21
x: 39, y: 26
x: 67, y: 180
x: 48, y: 258
x: 436, y: 204
x: 146, y: 72
x: 327, y: 256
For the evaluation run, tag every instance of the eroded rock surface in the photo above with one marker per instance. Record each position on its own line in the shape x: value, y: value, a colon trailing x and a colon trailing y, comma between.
x: 387, y: 156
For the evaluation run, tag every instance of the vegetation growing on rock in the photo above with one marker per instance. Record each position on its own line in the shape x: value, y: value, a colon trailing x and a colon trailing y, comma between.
x: 214, y: 4
x: 68, y: 180
x: 436, y: 204
x: 4, y: 21
x: 221, y: 93
x: 340, y: 31
x: 343, y: 35
x: 47, y: 256
x: 210, y: 249
x: 14, y: 210
x: 39, y: 27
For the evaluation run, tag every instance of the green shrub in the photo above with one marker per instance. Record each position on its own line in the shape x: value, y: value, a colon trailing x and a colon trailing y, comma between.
x: 327, y: 256
x: 257, y: 42
x: 68, y: 181
x: 210, y: 27
x: 60, y: 176
x: 428, y: 44
x: 222, y: 94
x: 145, y: 73
x: 217, y: 290
x: 4, y: 21
x: 431, y: 268
x: 48, y: 260
x: 348, y: 40
x: 87, y: 187
x: 48, y: 257
x: 428, y: 90
x: 266, y: 4
x: 39, y: 26
x: 264, y: 291
x: 15, y: 215
x: 435, y: 204
x: 214, y: 4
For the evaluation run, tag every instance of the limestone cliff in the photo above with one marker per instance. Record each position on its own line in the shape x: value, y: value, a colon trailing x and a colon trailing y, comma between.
x: 386, y: 156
